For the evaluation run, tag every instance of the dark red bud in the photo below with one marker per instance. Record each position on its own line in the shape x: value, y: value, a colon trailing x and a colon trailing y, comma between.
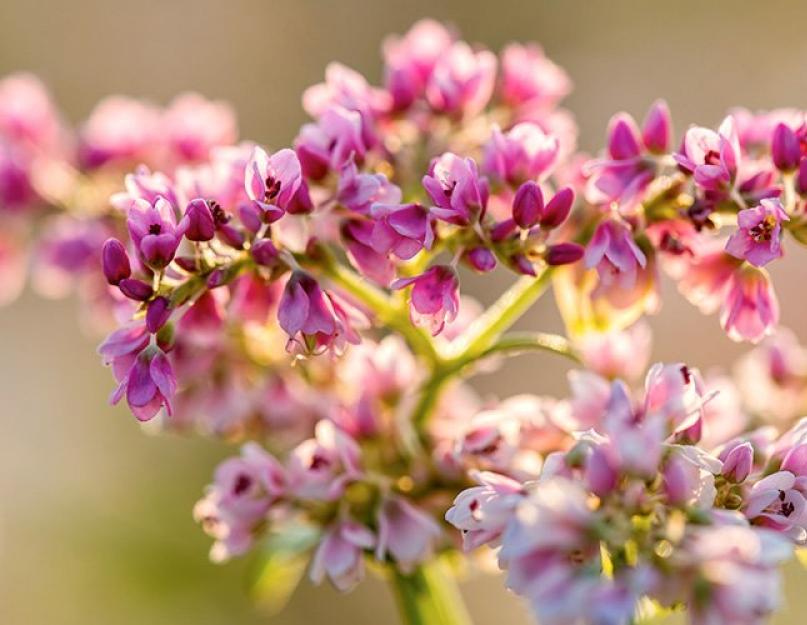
x: 136, y: 289
x: 264, y: 252
x: 528, y: 205
x: 558, y: 208
x: 564, y: 253
x: 199, y: 221
x: 785, y: 148
x: 481, y: 259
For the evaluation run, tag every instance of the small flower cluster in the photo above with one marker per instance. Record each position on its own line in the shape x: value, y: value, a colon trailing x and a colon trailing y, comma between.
x: 305, y: 302
x: 637, y: 506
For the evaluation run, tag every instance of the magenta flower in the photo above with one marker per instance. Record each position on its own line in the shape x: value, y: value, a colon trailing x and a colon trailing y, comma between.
x: 758, y: 238
x: 785, y: 148
x: 410, y: 60
x: 531, y: 79
x: 357, y: 236
x: 358, y: 191
x: 615, y: 254
x: 459, y: 193
x: 154, y: 231
x: 28, y: 115
x: 149, y: 383
x: 462, y: 81
x: 272, y: 181
x: 778, y: 501
x: 198, y: 221
x: 405, y: 533
x: 435, y: 297
x: 711, y: 157
x: 624, y: 176
x: 321, y: 467
x: 401, y: 230
x: 315, y: 320
x: 481, y: 512
x: 524, y: 152
x: 329, y: 143
x: 340, y: 555
x: 737, y: 462
x: 751, y: 309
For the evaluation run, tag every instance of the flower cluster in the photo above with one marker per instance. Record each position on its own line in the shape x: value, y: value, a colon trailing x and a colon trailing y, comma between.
x: 305, y: 302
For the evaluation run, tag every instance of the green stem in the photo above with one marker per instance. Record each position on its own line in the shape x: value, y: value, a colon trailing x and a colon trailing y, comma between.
x: 382, y: 307
x: 520, y: 342
x: 429, y: 596
x: 497, y: 319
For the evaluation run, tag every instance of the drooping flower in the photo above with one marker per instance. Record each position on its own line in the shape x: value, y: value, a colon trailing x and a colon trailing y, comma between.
x: 406, y: 534
x: 149, y: 384
x: 615, y: 254
x: 758, y: 238
x: 751, y: 309
x: 435, y: 297
x: 340, y: 555
x: 314, y: 319
x: 481, y: 512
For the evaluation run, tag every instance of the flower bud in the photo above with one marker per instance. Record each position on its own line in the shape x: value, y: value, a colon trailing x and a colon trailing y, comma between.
x: 158, y: 312
x: 785, y: 148
x: 231, y: 236
x: 564, y: 253
x: 264, y: 252
x: 199, y: 221
x: 136, y: 289
x: 738, y: 462
x: 215, y: 279
x: 801, y: 177
x: 623, y: 138
x: 796, y: 461
x: 657, y: 128
x: 528, y: 205
x: 250, y: 215
x: 601, y: 476
x: 188, y: 263
x: 522, y: 265
x: 115, y: 262
x: 502, y: 230
x: 558, y: 208
x: 481, y: 259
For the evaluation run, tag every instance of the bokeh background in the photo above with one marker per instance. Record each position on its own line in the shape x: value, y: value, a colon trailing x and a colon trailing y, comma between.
x: 95, y: 524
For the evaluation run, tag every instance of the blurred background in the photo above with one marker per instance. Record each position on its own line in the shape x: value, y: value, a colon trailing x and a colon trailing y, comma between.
x: 95, y: 516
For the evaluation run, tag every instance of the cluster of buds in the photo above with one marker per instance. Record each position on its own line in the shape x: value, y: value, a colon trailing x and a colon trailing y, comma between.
x: 305, y: 302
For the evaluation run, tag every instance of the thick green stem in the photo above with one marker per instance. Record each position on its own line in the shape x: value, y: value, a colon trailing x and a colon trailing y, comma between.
x: 429, y: 596
x: 497, y: 319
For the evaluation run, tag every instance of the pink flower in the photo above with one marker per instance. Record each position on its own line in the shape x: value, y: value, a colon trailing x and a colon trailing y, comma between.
x: 625, y: 175
x: 28, y: 116
x: 315, y: 320
x: 711, y: 157
x: 435, y: 297
x: 340, y: 555
x: 357, y: 236
x: 154, y: 231
x: 410, y: 60
x: 689, y: 476
x: 406, y: 534
x: 358, y: 191
x: 329, y: 143
x: 530, y: 78
x: 751, y: 309
x: 673, y: 394
x: 321, y: 467
x: 523, y: 153
x: 401, y: 230
x: 736, y: 579
x: 460, y: 195
x: 192, y: 126
x: 272, y: 181
x: 758, y: 238
x: 120, y: 131
x: 615, y: 254
x: 237, y: 503
x: 618, y: 354
x: 462, y: 81
x: 778, y: 502
x: 149, y: 383
x: 482, y: 512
